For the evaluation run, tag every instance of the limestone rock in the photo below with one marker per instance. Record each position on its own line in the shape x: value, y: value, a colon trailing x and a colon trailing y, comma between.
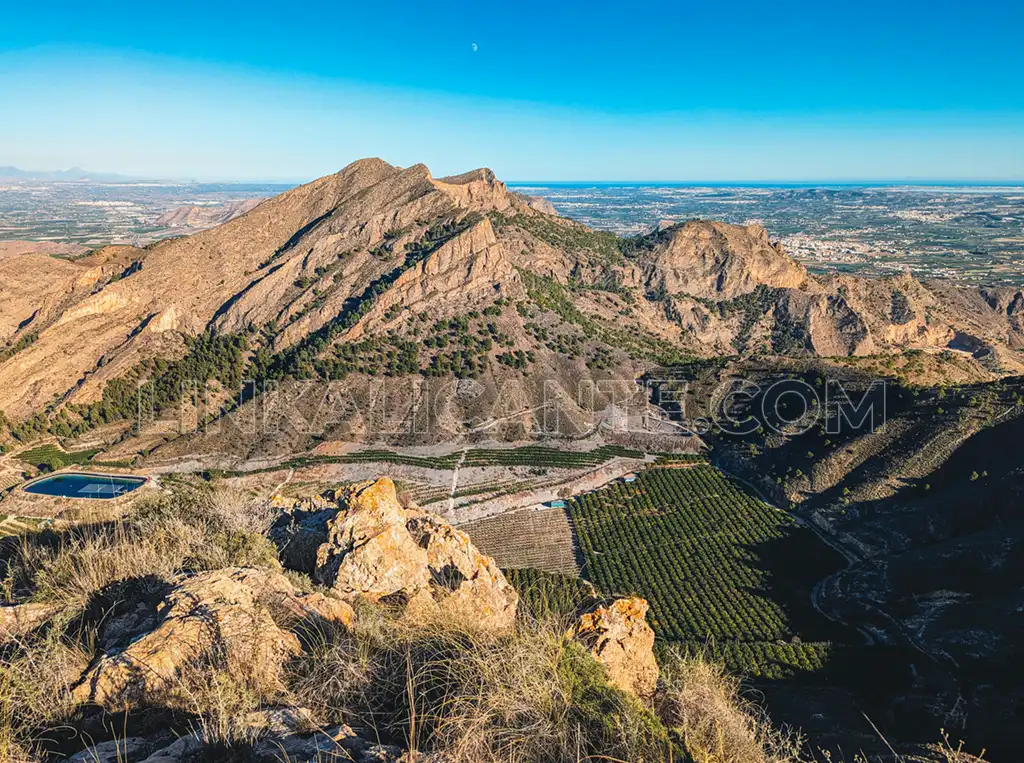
x: 272, y: 745
x: 335, y: 743
x: 179, y: 750
x: 19, y: 619
x: 718, y: 262
x: 619, y: 637
x: 372, y: 547
x: 369, y: 550
x: 540, y: 204
x: 280, y: 721
x: 229, y: 612
x: 298, y: 534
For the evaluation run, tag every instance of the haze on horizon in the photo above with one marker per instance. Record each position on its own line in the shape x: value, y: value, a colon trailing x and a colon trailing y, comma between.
x: 791, y: 91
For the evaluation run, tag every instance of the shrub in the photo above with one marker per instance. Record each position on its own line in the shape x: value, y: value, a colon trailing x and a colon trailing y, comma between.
x: 53, y: 464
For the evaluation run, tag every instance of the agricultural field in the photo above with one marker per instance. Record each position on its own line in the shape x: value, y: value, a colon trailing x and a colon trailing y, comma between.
x: 554, y: 458
x: 528, y: 455
x: 541, y: 540
x: 51, y: 455
x: 720, y: 568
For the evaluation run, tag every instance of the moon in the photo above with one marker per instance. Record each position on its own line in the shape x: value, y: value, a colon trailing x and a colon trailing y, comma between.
x: 475, y: 47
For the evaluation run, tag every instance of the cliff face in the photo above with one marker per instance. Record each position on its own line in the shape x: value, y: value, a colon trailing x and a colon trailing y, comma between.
x: 717, y: 261
x: 734, y: 291
x: 379, y: 251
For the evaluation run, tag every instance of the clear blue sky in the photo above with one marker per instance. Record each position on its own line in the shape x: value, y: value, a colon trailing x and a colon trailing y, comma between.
x: 685, y: 90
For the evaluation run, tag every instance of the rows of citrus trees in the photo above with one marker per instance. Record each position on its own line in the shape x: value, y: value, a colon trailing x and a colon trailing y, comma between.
x: 535, y: 455
x: 529, y: 455
x: 686, y: 539
x: 717, y: 565
x: 767, y: 659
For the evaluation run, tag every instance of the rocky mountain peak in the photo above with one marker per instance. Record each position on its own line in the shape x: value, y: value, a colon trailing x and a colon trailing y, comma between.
x: 718, y: 261
x: 478, y: 190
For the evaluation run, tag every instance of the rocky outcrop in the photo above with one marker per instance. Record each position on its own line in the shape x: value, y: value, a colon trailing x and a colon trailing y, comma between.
x: 369, y: 546
x: 202, y: 217
x: 827, y: 324
x: 279, y: 734
x: 477, y: 189
x: 462, y: 271
x: 114, y: 751
x: 540, y: 204
x: 619, y: 637
x: 716, y: 261
x: 1009, y: 302
x: 18, y: 619
x: 237, y: 614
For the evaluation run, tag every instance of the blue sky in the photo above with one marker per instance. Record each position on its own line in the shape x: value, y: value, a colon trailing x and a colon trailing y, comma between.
x: 688, y: 90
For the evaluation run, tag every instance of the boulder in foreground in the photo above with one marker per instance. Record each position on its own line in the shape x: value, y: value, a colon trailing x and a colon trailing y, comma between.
x: 369, y: 546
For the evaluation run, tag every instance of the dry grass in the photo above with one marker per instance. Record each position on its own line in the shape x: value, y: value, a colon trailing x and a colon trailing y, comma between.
x: 36, y: 677
x: 222, y: 697
x: 473, y: 697
x: 705, y: 706
x: 240, y: 511
x: 191, y: 529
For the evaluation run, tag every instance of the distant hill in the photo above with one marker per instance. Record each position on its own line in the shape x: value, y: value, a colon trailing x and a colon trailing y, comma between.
x: 41, y: 247
x: 202, y: 217
x: 75, y: 173
x: 69, y: 175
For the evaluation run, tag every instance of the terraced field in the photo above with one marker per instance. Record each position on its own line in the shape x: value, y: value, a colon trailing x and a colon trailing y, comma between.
x: 9, y: 480
x: 17, y: 525
x: 529, y: 455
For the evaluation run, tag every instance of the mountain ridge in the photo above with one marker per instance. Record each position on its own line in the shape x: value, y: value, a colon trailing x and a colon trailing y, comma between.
x: 384, y: 253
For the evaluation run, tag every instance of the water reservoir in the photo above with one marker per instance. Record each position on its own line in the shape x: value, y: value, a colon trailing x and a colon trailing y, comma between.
x: 82, y: 485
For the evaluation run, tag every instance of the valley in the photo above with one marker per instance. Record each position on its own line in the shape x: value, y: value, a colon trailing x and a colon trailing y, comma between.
x: 811, y: 477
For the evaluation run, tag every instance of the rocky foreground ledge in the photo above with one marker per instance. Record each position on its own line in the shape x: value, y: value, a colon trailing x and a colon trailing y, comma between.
x: 366, y: 554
